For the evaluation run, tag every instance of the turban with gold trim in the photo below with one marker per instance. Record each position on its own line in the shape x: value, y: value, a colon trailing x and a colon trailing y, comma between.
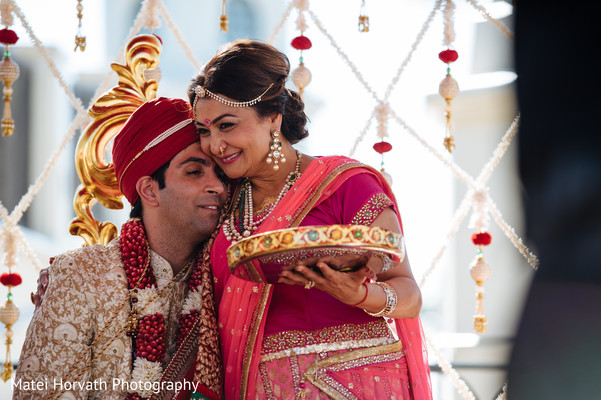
x: 155, y: 133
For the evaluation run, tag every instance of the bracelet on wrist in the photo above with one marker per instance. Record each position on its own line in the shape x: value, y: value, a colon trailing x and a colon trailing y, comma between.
x: 386, y: 261
x: 391, y: 300
x: 364, y: 298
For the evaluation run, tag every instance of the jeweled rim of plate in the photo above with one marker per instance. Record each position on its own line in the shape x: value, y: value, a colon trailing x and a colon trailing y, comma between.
x: 316, y: 237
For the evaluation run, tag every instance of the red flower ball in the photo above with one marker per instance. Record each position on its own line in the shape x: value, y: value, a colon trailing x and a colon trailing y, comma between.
x: 448, y: 56
x: 10, y: 279
x: 301, y: 43
x: 382, y: 147
x: 8, y: 36
x: 481, y: 238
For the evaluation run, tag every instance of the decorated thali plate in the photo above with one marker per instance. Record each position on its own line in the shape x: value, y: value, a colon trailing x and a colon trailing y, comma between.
x: 308, y: 243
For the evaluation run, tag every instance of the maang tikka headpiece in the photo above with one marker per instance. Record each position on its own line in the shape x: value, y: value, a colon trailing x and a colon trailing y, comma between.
x: 202, y: 92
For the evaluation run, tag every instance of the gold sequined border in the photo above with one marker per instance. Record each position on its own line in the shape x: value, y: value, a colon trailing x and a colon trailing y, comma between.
x: 340, y: 337
x: 372, y: 209
x: 251, y: 339
x: 351, y: 359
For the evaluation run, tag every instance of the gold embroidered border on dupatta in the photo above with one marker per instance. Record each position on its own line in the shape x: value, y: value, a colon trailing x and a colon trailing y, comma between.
x: 310, y: 203
x: 339, y: 337
x: 251, y: 340
x: 316, y: 373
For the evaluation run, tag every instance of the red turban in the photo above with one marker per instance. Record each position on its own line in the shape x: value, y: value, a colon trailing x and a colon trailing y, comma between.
x: 153, y: 135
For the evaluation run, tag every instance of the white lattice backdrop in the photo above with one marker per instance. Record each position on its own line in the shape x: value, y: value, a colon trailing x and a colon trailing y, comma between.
x: 299, y: 16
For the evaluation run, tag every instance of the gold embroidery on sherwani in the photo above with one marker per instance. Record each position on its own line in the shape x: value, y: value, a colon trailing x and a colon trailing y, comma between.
x: 208, y: 368
x: 85, y: 309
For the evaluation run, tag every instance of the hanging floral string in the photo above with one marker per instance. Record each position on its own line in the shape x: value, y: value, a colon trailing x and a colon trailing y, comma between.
x: 301, y: 76
x: 382, y: 114
x: 494, y: 22
x: 9, y: 313
x: 448, y: 88
x: 9, y: 70
x: 479, y: 269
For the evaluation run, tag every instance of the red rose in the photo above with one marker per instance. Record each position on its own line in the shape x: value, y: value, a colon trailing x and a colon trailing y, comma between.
x: 382, y: 147
x: 448, y: 56
x: 481, y: 238
x: 10, y: 279
x: 8, y: 36
x: 301, y: 43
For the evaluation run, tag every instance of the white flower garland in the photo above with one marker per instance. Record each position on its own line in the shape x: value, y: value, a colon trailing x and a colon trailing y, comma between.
x: 145, y: 371
x: 149, y: 303
x: 449, y: 26
x: 497, y: 24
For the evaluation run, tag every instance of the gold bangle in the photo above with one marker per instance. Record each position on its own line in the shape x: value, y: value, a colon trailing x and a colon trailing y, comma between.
x: 391, y: 300
x: 386, y: 261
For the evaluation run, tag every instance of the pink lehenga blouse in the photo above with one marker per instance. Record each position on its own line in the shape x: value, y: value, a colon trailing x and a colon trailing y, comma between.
x: 283, y: 341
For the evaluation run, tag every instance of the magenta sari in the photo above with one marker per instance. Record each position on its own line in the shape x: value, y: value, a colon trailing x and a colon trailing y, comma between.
x: 244, y: 302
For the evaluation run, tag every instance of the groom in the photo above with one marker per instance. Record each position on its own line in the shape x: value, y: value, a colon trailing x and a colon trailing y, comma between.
x: 125, y: 320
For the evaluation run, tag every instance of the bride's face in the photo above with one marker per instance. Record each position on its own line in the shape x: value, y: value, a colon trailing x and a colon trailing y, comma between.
x: 237, y: 138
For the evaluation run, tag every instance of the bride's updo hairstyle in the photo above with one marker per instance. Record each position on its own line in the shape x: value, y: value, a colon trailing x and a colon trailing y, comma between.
x: 243, y: 71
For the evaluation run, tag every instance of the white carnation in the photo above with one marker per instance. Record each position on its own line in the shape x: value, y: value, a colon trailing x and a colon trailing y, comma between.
x: 145, y: 371
x: 193, y: 302
x: 147, y: 301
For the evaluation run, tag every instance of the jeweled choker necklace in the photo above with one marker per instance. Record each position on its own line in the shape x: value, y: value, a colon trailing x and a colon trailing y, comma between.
x: 244, y: 204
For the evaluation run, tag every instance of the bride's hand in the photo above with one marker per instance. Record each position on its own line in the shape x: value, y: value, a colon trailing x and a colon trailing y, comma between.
x: 344, y: 286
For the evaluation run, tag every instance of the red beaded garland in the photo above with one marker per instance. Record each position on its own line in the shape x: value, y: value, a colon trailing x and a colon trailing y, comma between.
x: 186, y: 321
x: 301, y: 43
x: 481, y: 238
x: 150, y: 343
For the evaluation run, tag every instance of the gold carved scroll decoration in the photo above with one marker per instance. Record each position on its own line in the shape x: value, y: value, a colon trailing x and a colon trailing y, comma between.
x: 109, y: 113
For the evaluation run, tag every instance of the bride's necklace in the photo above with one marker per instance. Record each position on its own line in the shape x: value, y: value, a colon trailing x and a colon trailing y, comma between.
x: 244, y: 203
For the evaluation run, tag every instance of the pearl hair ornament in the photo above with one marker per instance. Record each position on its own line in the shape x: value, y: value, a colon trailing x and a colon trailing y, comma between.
x: 202, y: 92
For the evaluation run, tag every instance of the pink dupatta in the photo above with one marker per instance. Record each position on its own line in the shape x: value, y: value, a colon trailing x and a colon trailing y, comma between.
x: 245, y: 302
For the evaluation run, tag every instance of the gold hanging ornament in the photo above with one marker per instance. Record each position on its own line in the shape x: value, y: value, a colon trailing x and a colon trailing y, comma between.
x: 301, y: 76
x: 80, y: 39
x: 448, y: 89
x: 223, y: 22
x: 363, y: 18
x: 480, y: 272
x: 9, y: 313
x: 9, y: 72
